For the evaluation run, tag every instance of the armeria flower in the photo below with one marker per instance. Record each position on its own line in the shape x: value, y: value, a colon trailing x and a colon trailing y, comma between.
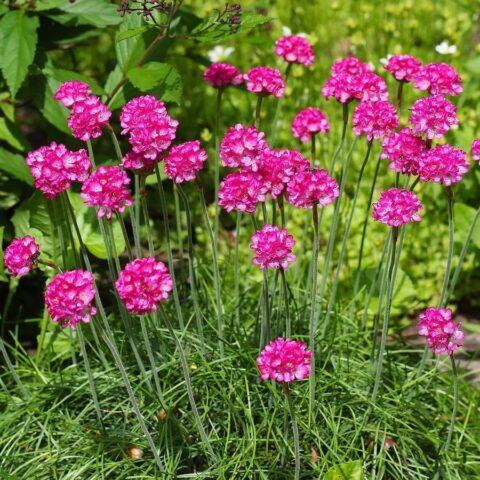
x: 273, y: 247
x: 184, y: 161
x: 143, y: 284
x: 441, y: 332
x: 72, y: 92
x: 21, y: 255
x: 438, y: 79
x: 106, y: 189
x: 284, y: 360
x: 432, y: 116
x: 312, y: 187
x: 139, y: 110
x: 374, y: 119
x: 69, y: 298
x: 443, y: 163
x: 295, y: 49
x: 241, y: 147
x: 308, y: 122
x: 265, y: 81
x: 54, y: 168
x: 138, y: 163
x: 221, y: 75
x: 397, y: 207
x: 475, y: 150
x: 88, y: 118
x: 241, y: 191
x: 403, y: 149
x: 403, y: 67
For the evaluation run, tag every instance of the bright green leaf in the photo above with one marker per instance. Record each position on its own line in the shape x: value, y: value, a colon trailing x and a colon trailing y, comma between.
x: 464, y: 216
x: 67, y: 75
x: 10, y: 133
x: 131, y: 49
x: 131, y: 32
x: 346, y: 471
x: 99, y: 13
x: 14, y: 165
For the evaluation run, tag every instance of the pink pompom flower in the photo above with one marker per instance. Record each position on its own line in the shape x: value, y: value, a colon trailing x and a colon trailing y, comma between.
x: 138, y: 163
x: 184, y: 161
x: 88, y: 118
x: 272, y: 247
x: 143, y: 284
x: 21, y: 255
x: 54, y: 168
x: 443, y: 164
x: 403, y: 149
x: 397, y: 207
x: 312, y: 187
x: 295, y: 49
x: 69, y: 298
x: 221, y: 75
x: 139, y: 110
x: 475, y: 150
x: 106, y: 189
x: 432, y: 116
x: 308, y: 122
x: 241, y: 191
x: 72, y: 92
x: 438, y: 79
x: 441, y: 332
x: 241, y: 147
x: 265, y: 81
x: 375, y: 120
x: 284, y: 360
x: 403, y: 67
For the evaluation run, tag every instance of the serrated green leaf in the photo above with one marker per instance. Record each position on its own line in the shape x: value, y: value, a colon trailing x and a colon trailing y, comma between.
x: 18, y: 43
x: 10, y: 133
x: 129, y: 50
x: 14, y: 165
x: 346, y: 471
x: 464, y: 216
x: 131, y: 32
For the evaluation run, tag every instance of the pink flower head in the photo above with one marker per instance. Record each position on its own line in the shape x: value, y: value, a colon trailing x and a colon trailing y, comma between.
x: 139, y: 110
x: 432, y: 116
x: 284, y: 360
x: 374, y: 119
x: 443, y: 163
x: 311, y: 187
x: 397, y: 207
x: 241, y: 147
x: 241, y: 191
x: 143, y: 284
x: 106, y: 189
x: 403, y: 149
x: 54, y: 168
x: 475, y: 150
x: 308, y: 122
x: 138, y: 163
x: 265, y: 81
x: 373, y: 88
x: 273, y: 247
x: 21, y: 255
x: 295, y: 49
x: 403, y: 67
x: 438, y: 79
x: 184, y: 161
x: 221, y: 75
x: 88, y: 118
x: 442, y: 334
x: 72, y: 92
x: 69, y: 298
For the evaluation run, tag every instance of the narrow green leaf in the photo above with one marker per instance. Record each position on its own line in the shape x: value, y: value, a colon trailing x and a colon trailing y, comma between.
x: 464, y: 215
x: 10, y: 133
x: 14, y: 165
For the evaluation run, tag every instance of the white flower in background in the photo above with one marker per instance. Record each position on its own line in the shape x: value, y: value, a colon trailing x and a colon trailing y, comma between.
x: 385, y: 60
x: 219, y: 53
x: 372, y: 66
x: 445, y: 48
x: 286, y: 31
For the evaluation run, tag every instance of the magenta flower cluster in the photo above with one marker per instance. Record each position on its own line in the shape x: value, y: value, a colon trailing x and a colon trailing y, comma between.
x: 403, y: 67
x: 221, y: 75
x: 475, y: 150
x: 21, y: 255
x: 403, y: 149
x: 184, y: 161
x: 312, y: 187
x: 272, y: 247
x: 295, y: 49
x: 438, y: 79
x: 265, y: 81
x: 309, y: 122
x: 375, y: 119
x: 241, y: 191
x: 396, y: 207
x: 442, y: 164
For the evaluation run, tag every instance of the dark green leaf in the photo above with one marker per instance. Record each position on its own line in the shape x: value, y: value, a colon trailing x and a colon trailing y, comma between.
x: 66, y: 75
x: 346, y: 471
x: 14, y: 165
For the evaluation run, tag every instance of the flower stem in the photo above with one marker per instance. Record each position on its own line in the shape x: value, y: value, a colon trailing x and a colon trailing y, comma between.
x: 258, y: 111
x: 236, y: 273
x: 288, y: 325
x: 455, y: 405
x: 90, y: 154
x: 125, y: 235
x: 216, y: 159
x: 400, y: 96
x: 296, y: 436
x: 273, y: 131
x: 451, y: 232
x: 313, y: 150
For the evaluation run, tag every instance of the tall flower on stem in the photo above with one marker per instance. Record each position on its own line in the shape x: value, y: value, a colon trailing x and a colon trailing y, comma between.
x: 21, y: 255
x: 438, y: 79
x: 295, y: 49
x: 403, y: 68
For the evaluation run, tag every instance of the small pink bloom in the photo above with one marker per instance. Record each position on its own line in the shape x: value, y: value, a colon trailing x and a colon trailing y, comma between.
x: 143, y: 284
x: 403, y: 67
x: 69, y: 298
x: 138, y: 163
x: 284, y: 360
x: 72, y: 92
x: 273, y: 247
x: 308, y: 122
x: 475, y: 150
x: 443, y: 163
x: 432, y: 117
x: 312, y: 187
x: 184, y: 161
x: 438, y: 79
x: 295, y: 49
x: 397, y: 207
x: 241, y: 191
x: 21, y: 255
x: 241, y: 147
x: 265, y: 81
x: 442, y: 334
x: 139, y: 110
x: 88, y: 118
x: 106, y: 189
x: 221, y: 75
x: 374, y: 119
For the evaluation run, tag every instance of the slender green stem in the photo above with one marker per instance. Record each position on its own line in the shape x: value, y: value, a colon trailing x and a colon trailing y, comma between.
x: 258, y: 111
x: 178, y: 222
x: 281, y: 207
x: 216, y: 159
x: 296, y: 436
x: 236, y: 273
x: 125, y: 235
x: 116, y: 145
x: 13, y: 371
x: 451, y: 233
x: 400, y: 96
x: 146, y: 217
x: 288, y: 324
x: 273, y: 130
x: 451, y: 428
x: 90, y: 154
x: 313, y: 150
